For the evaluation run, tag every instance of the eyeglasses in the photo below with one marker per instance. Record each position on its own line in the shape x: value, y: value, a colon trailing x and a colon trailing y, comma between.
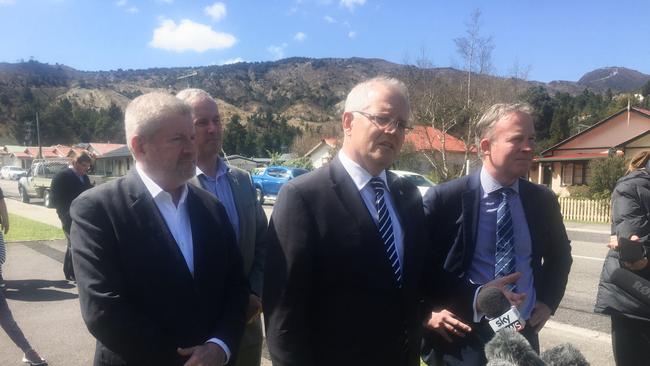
x: 386, y: 123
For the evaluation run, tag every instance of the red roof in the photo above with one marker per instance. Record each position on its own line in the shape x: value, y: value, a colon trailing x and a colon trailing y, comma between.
x: 103, y: 148
x: 331, y: 141
x: 576, y: 156
x: 642, y: 110
x: 48, y: 152
x: 429, y: 138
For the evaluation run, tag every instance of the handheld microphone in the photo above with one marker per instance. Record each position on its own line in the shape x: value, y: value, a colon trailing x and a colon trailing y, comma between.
x: 564, y: 355
x: 632, y: 284
x: 511, y: 348
x: 498, y: 310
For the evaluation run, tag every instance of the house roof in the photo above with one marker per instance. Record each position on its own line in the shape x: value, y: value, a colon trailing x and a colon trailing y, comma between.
x: 103, y: 148
x: 329, y: 141
x: 48, y: 152
x: 577, y: 156
x: 425, y: 138
x: 120, y: 152
x: 641, y: 111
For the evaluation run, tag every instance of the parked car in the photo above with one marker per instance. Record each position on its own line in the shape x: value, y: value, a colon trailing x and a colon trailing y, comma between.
x: 268, y: 181
x: 39, y: 178
x: 12, y: 172
x: 419, y: 180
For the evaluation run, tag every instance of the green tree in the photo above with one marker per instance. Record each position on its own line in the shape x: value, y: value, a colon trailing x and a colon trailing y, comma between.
x: 236, y: 139
x: 604, y: 174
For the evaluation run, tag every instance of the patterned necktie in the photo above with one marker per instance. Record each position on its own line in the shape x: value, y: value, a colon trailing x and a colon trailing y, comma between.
x: 505, y: 248
x: 386, y: 228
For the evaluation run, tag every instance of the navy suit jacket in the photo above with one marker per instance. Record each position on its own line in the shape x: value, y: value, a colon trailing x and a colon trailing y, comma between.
x: 452, y: 211
x: 137, y: 296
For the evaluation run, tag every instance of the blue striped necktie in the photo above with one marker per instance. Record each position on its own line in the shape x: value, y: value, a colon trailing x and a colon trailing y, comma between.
x: 505, y: 245
x: 386, y: 228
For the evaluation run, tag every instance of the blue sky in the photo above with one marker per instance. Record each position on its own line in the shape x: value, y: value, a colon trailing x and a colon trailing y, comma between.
x: 559, y: 40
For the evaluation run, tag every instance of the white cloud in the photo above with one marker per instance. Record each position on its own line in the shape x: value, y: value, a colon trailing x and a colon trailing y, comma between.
x: 300, y: 36
x: 7, y: 2
x: 216, y: 11
x: 350, y: 4
x: 132, y: 10
x: 329, y: 19
x: 120, y: 3
x: 277, y: 52
x: 352, y: 34
x: 189, y: 36
x: 231, y: 61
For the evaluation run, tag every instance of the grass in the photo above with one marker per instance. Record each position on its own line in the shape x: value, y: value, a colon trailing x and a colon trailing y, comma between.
x: 23, y: 229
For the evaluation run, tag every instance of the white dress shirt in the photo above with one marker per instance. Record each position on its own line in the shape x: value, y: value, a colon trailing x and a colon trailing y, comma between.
x: 361, y: 178
x: 177, y: 218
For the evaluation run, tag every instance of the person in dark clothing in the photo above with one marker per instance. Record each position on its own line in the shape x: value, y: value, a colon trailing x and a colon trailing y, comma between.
x: 630, y: 219
x: 10, y: 327
x: 4, y: 224
x: 67, y: 185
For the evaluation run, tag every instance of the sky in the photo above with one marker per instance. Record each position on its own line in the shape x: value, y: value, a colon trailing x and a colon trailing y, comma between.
x: 553, y: 39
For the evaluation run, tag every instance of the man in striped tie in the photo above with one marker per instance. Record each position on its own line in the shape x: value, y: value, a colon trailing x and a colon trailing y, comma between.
x: 347, y: 247
x: 493, y: 224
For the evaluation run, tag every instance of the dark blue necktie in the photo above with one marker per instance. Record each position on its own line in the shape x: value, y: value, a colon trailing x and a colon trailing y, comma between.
x: 505, y: 248
x: 386, y: 228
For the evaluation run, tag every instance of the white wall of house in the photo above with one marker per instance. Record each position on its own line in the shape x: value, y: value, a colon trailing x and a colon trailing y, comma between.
x: 320, y: 156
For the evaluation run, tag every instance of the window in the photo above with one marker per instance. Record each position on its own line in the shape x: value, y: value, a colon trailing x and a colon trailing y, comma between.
x: 575, y: 173
x: 578, y: 173
x: 567, y: 174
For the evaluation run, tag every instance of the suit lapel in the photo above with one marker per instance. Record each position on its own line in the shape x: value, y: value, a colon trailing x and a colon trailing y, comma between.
x: 528, y: 202
x: 153, y: 224
x: 238, y: 197
x: 471, y: 203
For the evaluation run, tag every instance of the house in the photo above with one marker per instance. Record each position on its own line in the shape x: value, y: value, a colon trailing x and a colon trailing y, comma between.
x: 430, y: 140
x: 242, y: 162
x: 566, y: 164
x: 114, y: 163
x: 321, y: 154
x: 98, y: 149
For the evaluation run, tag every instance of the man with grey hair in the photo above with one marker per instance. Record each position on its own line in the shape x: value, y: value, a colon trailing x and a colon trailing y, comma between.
x: 346, y: 250
x: 159, y: 274
x: 234, y: 188
x: 492, y: 224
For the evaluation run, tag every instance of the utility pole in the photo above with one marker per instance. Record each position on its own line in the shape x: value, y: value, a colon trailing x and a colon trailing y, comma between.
x: 38, y: 138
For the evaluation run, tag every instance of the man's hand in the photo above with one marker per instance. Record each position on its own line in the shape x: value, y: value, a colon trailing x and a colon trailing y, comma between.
x: 207, y: 354
x: 5, y: 227
x: 541, y: 313
x: 254, y: 308
x: 445, y: 322
x: 613, y: 242
x: 515, y: 299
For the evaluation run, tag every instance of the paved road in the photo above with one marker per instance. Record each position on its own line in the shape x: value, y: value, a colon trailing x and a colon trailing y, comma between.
x: 47, y: 307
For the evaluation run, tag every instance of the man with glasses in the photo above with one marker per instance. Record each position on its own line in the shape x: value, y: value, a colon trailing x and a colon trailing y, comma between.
x: 345, y: 250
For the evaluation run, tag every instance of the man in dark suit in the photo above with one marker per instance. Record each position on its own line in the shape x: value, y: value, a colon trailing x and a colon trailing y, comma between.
x: 159, y: 274
x: 234, y: 189
x: 347, y: 248
x: 67, y: 185
x: 493, y: 223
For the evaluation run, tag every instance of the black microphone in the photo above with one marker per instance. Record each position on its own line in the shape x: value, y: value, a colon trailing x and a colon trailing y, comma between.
x: 634, y: 285
x: 500, y: 313
x: 508, y: 347
x: 564, y: 355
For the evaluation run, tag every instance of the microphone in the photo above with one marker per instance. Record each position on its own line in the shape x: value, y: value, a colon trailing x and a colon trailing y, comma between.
x: 500, y: 313
x: 632, y: 284
x: 509, y: 348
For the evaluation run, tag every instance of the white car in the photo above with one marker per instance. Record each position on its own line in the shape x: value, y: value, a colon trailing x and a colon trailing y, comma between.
x: 419, y: 180
x: 12, y: 172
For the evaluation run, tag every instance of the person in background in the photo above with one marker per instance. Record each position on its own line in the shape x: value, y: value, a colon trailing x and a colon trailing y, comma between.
x: 4, y: 224
x: 67, y: 185
x: 630, y: 219
x: 234, y: 188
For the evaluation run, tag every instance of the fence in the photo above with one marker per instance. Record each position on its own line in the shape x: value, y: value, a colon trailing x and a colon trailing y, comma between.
x: 581, y: 209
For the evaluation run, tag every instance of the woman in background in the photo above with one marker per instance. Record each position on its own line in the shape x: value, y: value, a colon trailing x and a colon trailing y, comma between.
x: 630, y: 219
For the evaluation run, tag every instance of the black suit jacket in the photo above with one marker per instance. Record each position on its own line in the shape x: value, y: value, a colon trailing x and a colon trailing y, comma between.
x: 330, y: 297
x: 65, y: 187
x: 137, y: 296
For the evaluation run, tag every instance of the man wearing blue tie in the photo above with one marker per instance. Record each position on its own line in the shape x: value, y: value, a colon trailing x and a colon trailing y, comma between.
x: 489, y: 225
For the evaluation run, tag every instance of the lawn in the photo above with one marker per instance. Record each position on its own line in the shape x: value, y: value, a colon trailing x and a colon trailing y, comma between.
x: 23, y: 229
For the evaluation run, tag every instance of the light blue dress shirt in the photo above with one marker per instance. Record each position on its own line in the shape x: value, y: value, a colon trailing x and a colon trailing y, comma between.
x: 220, y: 187
x: 481, y: 269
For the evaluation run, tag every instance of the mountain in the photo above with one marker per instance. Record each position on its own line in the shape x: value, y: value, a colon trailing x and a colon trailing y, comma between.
x: 618, y: 79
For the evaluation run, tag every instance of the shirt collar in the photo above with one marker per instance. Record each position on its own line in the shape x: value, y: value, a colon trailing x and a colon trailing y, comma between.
x: 154, y: 189
x: 360, y: 176
x: 222, y: 168
x: 490, y: 185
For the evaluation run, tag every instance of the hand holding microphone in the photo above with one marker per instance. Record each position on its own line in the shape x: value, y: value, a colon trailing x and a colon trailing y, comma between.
x: 501, y: 314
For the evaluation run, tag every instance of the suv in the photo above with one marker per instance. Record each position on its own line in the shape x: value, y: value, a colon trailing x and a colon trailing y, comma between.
x: 268, y: 181
x: 12, y: 172
x: 39, y: 178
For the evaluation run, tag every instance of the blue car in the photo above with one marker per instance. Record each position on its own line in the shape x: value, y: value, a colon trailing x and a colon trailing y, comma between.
x: 269, y: 180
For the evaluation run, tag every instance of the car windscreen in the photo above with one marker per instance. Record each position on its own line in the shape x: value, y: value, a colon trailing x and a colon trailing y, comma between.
x: 418, y: 180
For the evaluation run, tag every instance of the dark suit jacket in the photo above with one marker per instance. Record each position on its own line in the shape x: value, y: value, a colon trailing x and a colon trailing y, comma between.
x: 65, y: 187
x: 137, y: 296
x: 252, y: 239
x: 452, y: 212
x: 330, y: 297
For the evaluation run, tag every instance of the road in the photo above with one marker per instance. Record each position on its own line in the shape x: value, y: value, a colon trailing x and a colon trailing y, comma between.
x: 47, y: 308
